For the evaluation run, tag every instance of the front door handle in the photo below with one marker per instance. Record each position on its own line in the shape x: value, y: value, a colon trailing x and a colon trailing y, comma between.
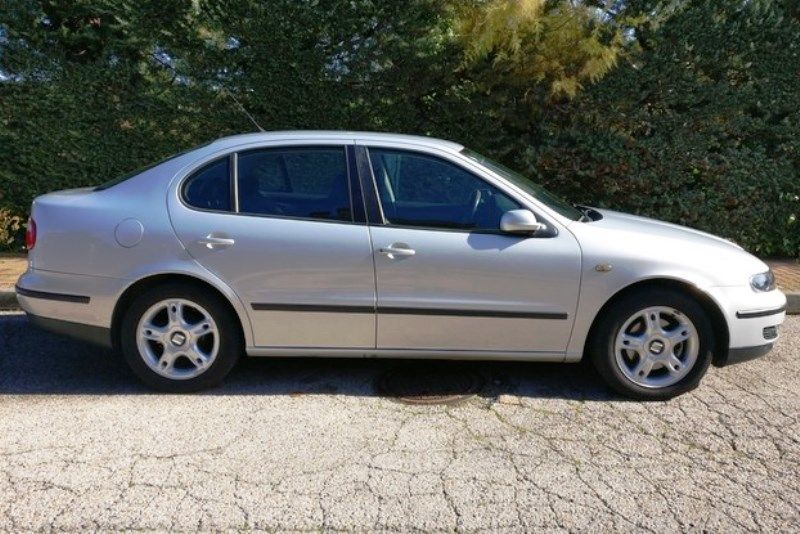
x: 215, y: 242
x: 397, y: 250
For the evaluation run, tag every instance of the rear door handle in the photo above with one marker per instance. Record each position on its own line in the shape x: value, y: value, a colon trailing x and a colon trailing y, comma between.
x: 216, y: 242
x: 396, y: 250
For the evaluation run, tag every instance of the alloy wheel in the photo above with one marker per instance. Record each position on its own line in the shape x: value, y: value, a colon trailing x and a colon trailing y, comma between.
x: 656, y: 347
x: 178, y: 338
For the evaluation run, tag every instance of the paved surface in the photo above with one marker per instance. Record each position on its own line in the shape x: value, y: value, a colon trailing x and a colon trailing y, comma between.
x: 11, y: 266
x: 308, y: 445
x: 787, y: 274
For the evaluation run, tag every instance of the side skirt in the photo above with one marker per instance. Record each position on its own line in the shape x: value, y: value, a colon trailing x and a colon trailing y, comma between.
x: 434, y: 354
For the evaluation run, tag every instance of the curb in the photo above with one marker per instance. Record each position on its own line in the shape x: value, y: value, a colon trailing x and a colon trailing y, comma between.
x: 8, y: 301
x: 793, y: 303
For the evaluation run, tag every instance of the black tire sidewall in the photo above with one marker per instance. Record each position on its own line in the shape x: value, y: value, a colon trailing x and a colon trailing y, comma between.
x: 230, y: 347
x: 602, y: 344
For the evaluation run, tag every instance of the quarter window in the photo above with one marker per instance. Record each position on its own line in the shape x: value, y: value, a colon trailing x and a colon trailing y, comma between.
x: 421, y: 190
x: 210, y: 187
x: 295, y: 182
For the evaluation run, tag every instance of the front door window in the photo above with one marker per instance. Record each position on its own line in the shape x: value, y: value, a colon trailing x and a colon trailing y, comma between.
x: 425, y: 191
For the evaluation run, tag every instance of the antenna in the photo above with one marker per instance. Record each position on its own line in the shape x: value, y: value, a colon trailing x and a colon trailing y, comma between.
x: 242, y: 109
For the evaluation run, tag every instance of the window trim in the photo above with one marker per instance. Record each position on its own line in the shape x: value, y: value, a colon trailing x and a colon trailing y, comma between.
x: 233, y: 176
x: 356, y: 186
x: 369, y: 188
x: 233, y: 172
x: 384, y: 222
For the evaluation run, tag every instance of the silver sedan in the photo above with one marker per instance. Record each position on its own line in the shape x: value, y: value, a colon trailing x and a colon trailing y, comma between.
x: 341, y: 244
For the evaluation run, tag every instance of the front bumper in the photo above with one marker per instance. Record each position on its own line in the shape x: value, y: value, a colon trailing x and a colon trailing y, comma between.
x: 753, y: 321
x: 744, y: 354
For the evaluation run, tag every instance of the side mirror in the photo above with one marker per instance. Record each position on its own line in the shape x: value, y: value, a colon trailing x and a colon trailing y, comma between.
x: 520, y: 222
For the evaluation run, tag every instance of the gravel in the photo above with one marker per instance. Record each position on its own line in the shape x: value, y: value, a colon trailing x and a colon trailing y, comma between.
x: 310, y: 445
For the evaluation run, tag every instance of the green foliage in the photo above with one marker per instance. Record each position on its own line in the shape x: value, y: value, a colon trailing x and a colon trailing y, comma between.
x: 10, y: 226
x: 559, y: 45
x: 680, y: 109
x: 703, y: 129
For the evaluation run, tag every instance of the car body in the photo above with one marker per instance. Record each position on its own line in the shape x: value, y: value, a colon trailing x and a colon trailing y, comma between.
x: 371, y: 251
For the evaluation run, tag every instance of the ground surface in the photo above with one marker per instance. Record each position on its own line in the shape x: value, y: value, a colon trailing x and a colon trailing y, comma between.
x: 308, y: 445
x: 11, y: 267
x: 787, y: 273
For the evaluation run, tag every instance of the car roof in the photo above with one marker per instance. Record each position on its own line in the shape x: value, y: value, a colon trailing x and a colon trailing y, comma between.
x: 339, y: 135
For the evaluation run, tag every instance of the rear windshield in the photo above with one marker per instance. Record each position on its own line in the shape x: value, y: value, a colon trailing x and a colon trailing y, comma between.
x: 126, y: 176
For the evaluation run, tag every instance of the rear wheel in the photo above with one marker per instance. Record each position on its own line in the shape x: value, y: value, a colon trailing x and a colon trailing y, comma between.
x: 653, y: 344
x: 179, y: 338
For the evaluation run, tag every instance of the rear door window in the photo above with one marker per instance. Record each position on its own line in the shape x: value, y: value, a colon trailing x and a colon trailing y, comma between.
x: 302, y: 182
x: 209, y: 188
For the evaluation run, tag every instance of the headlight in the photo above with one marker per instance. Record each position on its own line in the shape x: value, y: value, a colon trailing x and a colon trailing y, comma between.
x: 763, y: 281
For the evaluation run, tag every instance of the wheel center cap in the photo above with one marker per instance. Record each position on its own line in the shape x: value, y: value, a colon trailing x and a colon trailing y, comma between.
x: 657, y: 347
x: 178, y: 339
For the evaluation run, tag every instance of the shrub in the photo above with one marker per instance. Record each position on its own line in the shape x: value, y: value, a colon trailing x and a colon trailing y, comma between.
x: 10, y: 227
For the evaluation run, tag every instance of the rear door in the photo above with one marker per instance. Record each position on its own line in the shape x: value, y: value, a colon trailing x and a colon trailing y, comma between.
x: 281, y: 226
x: 447, y: 278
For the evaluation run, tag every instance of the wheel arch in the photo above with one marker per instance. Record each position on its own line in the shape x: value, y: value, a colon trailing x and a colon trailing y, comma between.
x: 718, y: 322
x: 153, y: 280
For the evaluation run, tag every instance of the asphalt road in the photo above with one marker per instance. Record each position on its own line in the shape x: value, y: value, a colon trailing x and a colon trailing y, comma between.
x: 311, y: 445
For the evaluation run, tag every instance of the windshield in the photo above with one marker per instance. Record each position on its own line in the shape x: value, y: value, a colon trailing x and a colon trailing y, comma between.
x: 541, y: 194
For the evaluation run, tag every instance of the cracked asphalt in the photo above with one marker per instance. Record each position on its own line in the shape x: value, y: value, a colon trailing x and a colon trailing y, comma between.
x: 310, y: 445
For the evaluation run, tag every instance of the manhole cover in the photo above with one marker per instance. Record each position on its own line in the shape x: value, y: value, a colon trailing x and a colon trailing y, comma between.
x: 430, y: 384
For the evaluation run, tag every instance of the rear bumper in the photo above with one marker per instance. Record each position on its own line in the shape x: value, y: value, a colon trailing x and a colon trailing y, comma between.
x: 73, y: 305
x: 79, y: 299
x: 97, y: 335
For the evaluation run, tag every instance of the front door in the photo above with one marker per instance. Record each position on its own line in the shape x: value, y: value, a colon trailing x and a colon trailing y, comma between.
x: 289, y: 243
x: 448, y: 279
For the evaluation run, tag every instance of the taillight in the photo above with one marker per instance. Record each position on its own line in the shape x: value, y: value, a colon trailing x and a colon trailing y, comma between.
x: 30, y: 234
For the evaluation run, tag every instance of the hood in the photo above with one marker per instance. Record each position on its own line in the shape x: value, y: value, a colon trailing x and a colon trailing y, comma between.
x: 648, y: 247
x: 652, y: 227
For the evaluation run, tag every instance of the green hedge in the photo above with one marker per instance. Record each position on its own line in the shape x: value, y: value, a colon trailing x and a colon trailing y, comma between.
x: 699, y: 125
x: 704, y: 129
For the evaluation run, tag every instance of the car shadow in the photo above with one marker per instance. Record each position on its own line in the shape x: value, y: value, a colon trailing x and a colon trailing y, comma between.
x: 36, y: 362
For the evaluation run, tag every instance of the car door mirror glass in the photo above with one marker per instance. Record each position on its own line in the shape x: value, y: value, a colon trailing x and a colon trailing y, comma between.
x: 520, y: 222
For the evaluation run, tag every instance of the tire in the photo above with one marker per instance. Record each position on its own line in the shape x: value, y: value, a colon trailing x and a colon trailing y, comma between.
x: 180, y: 338
x: 633, y: 344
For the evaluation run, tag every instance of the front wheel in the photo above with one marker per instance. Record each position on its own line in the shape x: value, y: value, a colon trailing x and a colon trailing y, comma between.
x: 179, y: 338
x: 653, y: 344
